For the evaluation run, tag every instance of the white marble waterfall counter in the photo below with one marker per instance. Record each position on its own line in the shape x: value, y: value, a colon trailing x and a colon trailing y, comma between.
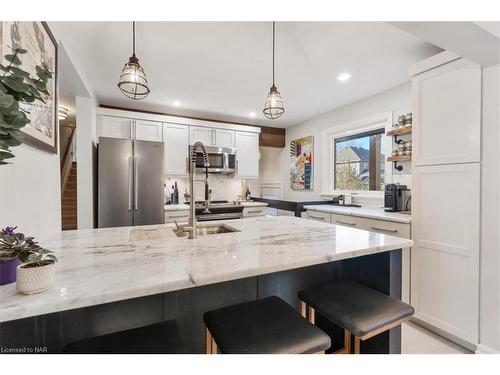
x: 106, y: 265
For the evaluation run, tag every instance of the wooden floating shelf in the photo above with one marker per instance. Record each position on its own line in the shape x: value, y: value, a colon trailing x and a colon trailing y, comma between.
x: 400, y: 131
x: 399, y: 158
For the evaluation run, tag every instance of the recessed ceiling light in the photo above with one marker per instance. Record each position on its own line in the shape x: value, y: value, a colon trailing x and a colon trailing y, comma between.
x: 252, y: 114
x: 176, y: 103
x: 344, y: 77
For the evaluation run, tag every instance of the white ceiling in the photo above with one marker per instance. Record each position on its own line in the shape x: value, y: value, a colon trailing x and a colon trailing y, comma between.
x: 222, y: 70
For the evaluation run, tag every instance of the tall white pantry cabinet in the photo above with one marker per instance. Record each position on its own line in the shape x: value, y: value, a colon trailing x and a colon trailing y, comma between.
x: 446, y: 195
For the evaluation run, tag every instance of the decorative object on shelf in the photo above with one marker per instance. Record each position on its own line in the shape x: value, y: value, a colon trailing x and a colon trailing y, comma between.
x: 408, y: 119
x: 36, y: 272
x: 301, y: 154
x: 28, y: 87
x: 63, y: 113
x: 273, y: 107
x: 402, y: 149
x: 133, y: 83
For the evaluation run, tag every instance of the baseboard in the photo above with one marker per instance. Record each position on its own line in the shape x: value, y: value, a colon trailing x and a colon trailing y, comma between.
x: 457, y: 340
x: 483, y: 349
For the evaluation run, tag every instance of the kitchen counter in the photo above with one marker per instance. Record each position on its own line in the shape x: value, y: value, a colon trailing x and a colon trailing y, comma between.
x: 183, y: 207
x: 369, y: 213
x: 105, y: 265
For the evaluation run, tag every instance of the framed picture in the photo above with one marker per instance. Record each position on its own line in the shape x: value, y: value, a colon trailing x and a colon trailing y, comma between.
x: 36, y: 38
x: 301, y: 168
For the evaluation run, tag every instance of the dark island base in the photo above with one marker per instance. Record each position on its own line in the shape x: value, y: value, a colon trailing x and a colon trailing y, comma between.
x: 50, y: 333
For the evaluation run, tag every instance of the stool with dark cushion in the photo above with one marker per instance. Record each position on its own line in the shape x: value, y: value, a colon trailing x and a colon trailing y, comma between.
x: 266, y: 326
x: 360, y: 310
x: 159, y: 338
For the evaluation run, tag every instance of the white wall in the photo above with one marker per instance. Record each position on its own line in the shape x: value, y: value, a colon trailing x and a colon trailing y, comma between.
x: 397, y: 99
x: 86, y: 156
x: 489, y: 319
x: 30, y: 194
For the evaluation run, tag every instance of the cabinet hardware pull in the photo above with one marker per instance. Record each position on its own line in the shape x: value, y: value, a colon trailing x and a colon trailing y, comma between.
x: 385, y: 230
x: 317, y: 217
x: 345, y: 223
x: 254, y: 211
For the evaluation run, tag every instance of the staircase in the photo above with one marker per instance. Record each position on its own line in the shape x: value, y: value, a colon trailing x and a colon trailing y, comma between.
x: 68, y: 203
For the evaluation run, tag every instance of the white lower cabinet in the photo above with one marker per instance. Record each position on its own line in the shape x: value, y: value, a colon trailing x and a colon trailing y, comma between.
x: 254, y: 211
x: 324, y: 217
x: 181, y: 216
x: 445, y: 256
x: 176, y: 140
x: 374, y: 225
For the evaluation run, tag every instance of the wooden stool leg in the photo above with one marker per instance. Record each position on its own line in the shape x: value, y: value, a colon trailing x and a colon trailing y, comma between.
x: 347, y: 341
x: 310, y: 314
x: 302, y: 308
x: 208, y: 342
x: 357, y: 345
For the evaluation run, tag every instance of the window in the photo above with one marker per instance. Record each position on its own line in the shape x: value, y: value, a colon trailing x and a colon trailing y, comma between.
x: 359, y: 161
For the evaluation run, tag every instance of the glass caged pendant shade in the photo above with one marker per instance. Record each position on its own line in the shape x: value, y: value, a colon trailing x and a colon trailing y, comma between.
x: 133, y: 82
x: 273, y: 108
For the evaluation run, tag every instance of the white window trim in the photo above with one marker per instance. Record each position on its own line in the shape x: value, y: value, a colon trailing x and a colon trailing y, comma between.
x: 378, y: 121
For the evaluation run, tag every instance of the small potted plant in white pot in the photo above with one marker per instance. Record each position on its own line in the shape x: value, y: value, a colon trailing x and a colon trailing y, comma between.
x: 36, y: 273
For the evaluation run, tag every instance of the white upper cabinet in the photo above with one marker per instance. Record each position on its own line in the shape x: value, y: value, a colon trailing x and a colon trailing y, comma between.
x: 447, y: 114
x: 126, y: 128
x: 223, y: 138
x: 115, y: 127
x: 201, y: 134
x: 247, y: 154
x: 212, y: 137
x: 148, y: 130
x: 176, y: 140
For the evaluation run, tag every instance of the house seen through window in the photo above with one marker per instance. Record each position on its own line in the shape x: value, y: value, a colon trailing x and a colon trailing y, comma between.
x: 359, y: 161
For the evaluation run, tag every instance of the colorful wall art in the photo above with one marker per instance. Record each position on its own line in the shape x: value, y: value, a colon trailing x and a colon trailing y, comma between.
x: 301, y: 168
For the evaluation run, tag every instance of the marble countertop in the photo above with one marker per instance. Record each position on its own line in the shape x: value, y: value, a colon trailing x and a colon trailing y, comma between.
x: 105, y: 265
x: 369, y: 213
x: 183, y: 207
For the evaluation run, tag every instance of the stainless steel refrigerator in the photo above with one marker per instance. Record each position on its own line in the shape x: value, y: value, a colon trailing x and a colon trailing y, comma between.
x: 130, y: 182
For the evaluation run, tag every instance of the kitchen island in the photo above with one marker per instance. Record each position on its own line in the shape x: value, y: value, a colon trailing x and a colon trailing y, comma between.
x: 119, y: 278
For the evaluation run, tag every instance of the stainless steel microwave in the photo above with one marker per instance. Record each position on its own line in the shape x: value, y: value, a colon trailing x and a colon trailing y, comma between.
x: 220, y: 159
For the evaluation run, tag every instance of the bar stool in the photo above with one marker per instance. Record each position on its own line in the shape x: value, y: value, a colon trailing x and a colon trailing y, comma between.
x: 359, y: 310
x: 159, y: 338
x: 266, y: 326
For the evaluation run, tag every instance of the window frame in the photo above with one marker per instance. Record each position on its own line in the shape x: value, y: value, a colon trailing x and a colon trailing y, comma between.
x: 344, y: 130
x: 369, y: 133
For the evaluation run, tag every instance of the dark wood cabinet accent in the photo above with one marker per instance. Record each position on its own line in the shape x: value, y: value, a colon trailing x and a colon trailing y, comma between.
x: 271, y: 137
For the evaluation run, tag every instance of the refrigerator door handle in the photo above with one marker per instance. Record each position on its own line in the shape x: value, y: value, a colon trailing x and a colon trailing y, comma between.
x: 130, y: 187
x: 136, y: 183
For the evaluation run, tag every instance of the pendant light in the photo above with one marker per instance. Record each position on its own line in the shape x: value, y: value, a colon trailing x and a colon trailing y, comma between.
x: 133, y: 82
x: 273, y: 108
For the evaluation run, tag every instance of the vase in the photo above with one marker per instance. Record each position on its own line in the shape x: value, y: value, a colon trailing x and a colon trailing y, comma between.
x: 8, y: 271
x: 32, y: 280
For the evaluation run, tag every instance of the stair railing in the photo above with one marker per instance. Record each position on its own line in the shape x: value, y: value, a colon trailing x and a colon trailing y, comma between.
x: 66, y: 160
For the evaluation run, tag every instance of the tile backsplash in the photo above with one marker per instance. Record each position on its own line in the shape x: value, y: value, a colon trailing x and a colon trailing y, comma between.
x: 224, y: 187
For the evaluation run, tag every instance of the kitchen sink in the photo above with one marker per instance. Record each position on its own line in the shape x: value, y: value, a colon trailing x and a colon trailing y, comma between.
x: 202, y: 230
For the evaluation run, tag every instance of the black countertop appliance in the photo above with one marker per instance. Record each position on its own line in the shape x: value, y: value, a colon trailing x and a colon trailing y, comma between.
x: 394, y: 197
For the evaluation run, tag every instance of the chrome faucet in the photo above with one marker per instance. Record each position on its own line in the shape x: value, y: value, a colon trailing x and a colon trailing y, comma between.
x: 197, y: 147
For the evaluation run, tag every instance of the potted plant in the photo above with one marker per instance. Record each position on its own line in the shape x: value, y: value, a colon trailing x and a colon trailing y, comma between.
x: 35, y: 274
x: 18, y: 87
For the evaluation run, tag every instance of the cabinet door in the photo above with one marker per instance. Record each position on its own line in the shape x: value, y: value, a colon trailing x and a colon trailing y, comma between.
x: 445, y: 255
x: 447, y: 114
x: 224, y: 138
x: 247, y: 154
x: 175, y: 138
x: 200, y: 134
x: 148, y: 130
x: 115, y: 127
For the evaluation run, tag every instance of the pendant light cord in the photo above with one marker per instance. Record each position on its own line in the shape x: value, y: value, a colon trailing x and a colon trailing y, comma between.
x: 133, y: 38
x: 273, y: 50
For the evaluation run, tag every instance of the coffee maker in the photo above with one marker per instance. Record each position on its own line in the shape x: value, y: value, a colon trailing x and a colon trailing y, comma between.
x: 396, y: 197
